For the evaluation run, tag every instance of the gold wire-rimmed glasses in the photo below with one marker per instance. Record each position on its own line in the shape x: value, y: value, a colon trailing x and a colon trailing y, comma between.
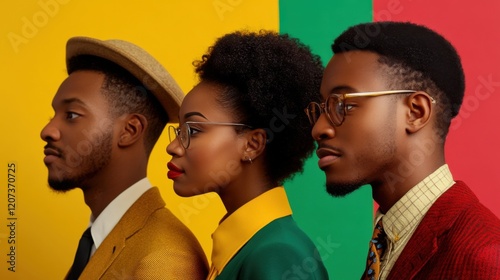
x: 335, y: 109
x: 184, y: 131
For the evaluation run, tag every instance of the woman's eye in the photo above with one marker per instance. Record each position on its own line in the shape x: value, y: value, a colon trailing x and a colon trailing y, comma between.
x: 349, y: 107
x: 194, y: 131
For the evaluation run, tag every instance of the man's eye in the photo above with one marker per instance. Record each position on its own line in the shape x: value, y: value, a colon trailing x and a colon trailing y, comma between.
x: 349, y: 107
x: 71, y: 115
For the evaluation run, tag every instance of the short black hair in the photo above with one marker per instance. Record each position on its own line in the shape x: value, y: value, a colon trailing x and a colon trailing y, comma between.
x: 267, y: 80
x: 418, y: 58
x: 125, y: 94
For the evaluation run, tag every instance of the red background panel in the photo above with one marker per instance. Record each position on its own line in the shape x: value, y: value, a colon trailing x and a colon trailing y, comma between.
x: 473, y: 144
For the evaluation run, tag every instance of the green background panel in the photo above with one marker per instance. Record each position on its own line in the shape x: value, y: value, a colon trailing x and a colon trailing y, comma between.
x: 340, y: 227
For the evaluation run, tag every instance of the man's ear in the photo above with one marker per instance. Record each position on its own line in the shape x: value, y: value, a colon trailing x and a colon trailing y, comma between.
x: 133, y: 129
x: 255, y: 145
x: 420, y: 108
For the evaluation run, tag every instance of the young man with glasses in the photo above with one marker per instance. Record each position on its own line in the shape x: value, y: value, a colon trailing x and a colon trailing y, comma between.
x: 388, y: 104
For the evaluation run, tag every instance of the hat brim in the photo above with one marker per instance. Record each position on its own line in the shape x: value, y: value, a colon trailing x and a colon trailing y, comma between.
x: 139, y: 63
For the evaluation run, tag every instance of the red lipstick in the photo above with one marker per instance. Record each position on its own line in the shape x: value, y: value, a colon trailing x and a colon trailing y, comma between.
x: 174, y: 171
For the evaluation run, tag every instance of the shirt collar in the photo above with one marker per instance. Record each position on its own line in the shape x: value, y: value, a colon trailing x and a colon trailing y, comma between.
x: 115, y: 210
x: 405, y: 215
x: 240, y: 226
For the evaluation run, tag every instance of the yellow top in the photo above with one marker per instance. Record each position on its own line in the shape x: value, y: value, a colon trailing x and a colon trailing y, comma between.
x: 245, y: 222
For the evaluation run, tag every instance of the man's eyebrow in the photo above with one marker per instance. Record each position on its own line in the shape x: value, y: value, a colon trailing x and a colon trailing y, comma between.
x: 69, y: 101
x: 74, y: 100
x: 344, y: 89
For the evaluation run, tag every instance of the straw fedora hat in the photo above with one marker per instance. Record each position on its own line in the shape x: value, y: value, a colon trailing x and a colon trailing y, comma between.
x: 139, y: 63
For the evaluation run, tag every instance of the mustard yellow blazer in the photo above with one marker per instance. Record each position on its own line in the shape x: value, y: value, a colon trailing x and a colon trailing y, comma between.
x: 149, y: 242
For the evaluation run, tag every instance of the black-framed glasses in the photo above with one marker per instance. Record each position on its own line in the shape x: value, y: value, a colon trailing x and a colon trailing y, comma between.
x: 184, y: 131
x: 335, y: 108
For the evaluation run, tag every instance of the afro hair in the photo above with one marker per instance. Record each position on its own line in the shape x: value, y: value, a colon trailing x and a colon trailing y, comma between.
x: 267, y: 80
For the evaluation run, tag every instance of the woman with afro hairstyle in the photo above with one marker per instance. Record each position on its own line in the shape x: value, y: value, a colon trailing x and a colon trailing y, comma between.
x: 242, y: 132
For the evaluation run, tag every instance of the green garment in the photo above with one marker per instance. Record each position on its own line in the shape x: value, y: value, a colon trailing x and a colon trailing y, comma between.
x: 279, y: 251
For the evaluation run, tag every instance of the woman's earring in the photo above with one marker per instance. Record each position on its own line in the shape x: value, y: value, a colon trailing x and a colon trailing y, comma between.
x: 249, y: 159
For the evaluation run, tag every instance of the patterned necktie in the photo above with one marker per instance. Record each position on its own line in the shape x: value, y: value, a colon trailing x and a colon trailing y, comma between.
x: 82, y: 255
x: 378, y: 244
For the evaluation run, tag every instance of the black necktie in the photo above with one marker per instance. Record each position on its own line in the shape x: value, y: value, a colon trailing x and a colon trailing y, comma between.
x: 82, y: 255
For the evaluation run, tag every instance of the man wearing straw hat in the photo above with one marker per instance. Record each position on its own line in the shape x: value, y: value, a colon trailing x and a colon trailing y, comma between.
x: 109, y: 113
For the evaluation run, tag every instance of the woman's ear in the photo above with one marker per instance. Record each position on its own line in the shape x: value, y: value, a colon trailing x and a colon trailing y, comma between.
x: 255, y: 145
x: 133, y: 129
x: 420, y: 108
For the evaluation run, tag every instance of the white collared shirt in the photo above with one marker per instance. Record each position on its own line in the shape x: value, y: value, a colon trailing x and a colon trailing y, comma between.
x: 115, y: 210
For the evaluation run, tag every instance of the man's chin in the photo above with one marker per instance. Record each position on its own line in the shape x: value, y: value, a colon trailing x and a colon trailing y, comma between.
x: 61, y: 186
x: 341, y: 189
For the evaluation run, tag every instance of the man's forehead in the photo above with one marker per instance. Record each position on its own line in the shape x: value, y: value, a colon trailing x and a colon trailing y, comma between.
x: 78, y: 87
x: 352, y: 71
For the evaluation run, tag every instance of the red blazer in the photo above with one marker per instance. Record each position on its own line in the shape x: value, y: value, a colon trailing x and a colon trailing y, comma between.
x: 458, y: 238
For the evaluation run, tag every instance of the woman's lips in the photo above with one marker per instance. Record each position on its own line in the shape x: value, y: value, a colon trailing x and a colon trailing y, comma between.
x: 174, y: 171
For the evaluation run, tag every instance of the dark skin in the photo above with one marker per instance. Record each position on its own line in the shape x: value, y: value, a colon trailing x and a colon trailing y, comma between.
x: 389, y: 143
x: 251, y: 182
x: 418, y: 129
x: 130, y: 162
x: 80, y: 106
x: 218, y: 149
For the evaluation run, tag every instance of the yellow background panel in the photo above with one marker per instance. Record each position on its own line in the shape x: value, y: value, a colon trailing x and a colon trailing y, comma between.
x: 33, y: 35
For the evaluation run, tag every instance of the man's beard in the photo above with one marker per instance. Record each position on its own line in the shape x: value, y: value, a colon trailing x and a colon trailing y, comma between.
x: 342, y: 189
x: 90, y: 165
